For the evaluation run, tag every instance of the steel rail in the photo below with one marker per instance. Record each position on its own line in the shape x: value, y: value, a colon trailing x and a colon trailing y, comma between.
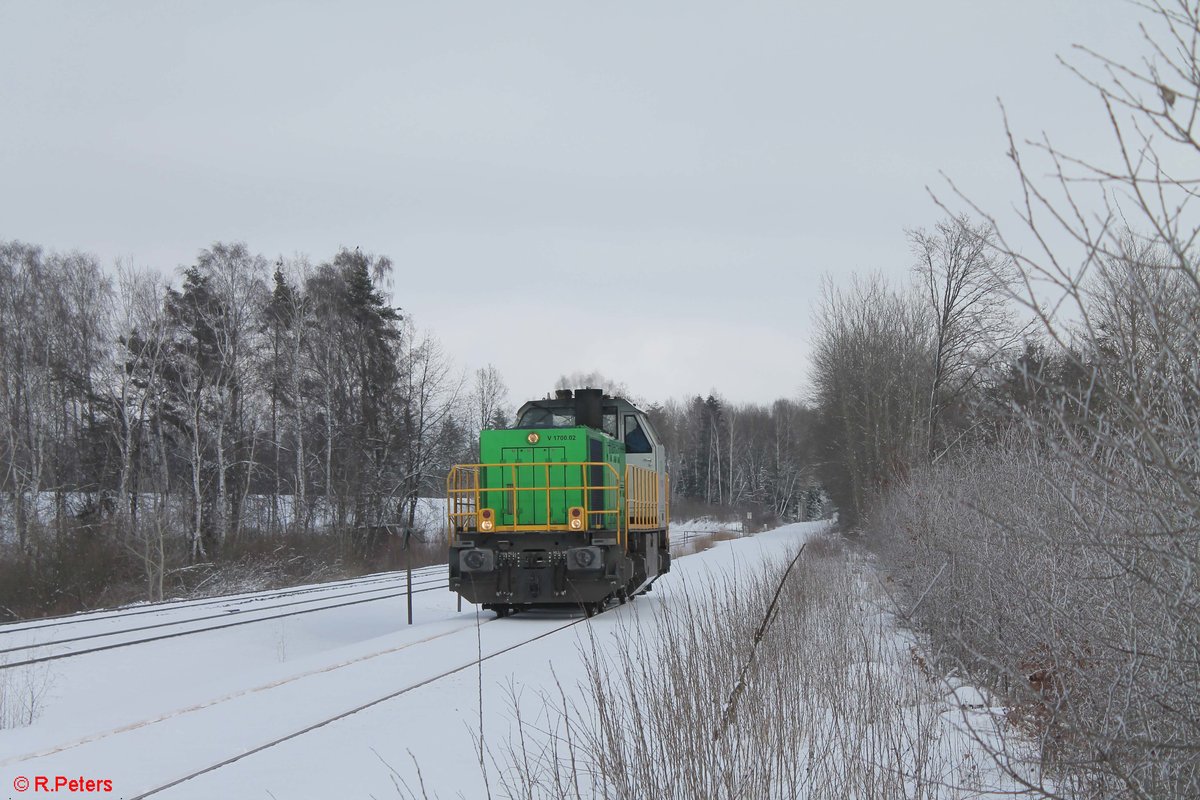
x: 101, y: 614
x: 234, y: 624
x: 427, y: 580
x: 351, y: 712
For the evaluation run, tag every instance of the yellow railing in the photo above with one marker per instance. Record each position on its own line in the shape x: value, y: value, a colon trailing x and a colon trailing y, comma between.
x: 463, y: 491
x: 643, y: 494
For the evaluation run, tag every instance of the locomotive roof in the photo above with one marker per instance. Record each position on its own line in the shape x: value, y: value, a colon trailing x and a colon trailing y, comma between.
x: 569, y: 402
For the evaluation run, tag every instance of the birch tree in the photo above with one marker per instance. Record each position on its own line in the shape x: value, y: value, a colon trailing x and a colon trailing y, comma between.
x: 136, y: 397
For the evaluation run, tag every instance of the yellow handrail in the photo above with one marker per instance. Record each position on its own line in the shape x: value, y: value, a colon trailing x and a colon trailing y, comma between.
x: 463, y: 491
x: 642, y: 499
x: 646, y: 501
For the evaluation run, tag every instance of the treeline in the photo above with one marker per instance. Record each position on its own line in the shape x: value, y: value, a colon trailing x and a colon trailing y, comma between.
x: 751, y: 458
x: 1034, y: 487
x: 285, y: 408
x: 167, y: 423
x: 902, y: 375
x: 731, y: 459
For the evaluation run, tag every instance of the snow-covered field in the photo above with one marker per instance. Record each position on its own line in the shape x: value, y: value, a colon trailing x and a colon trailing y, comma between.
x: 328, y: 704
x: 429, y: 521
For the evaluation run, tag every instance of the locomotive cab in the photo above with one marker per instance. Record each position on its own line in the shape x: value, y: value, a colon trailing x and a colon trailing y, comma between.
x: 614, y: 416
x: 568, y: 507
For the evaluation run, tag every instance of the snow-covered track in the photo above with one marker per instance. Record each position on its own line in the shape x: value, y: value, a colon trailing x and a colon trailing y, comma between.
x: 357, y: 709
x: 175, y: 714
x: 431, y: 584
x: 123, y: 612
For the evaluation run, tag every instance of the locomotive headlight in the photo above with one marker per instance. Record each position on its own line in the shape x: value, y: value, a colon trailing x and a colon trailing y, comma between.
x: 532, y: 438
x: 581, y: 558
x: 487, y: 520
x: 575, y: 516
x: 477, y: 560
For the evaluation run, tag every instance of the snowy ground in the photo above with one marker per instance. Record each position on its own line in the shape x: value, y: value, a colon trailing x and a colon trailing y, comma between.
x: 257, y: 512
x: 260, y: 703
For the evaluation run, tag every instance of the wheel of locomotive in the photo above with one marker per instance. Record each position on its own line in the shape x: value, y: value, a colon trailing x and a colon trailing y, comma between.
x: 622, y: 596
x: 502, y: 611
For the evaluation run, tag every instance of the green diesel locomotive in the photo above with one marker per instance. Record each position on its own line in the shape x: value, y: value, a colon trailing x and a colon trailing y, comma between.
x: 568, y: 508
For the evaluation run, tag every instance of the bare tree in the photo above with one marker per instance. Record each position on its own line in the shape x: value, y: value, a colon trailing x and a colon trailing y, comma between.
x: 430, y: 392
x: 967, y: 285
x: 52, y: 348
x: 25, y: 373
x: 214, y: 317
x: 136, y: 389
x: 489, y: 396
x: 1110, y: 550
x: 871, y: 366
x: 236, y: 285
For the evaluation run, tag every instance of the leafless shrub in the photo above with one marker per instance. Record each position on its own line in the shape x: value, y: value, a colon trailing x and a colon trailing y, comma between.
x: 835, y: 705
x: 1068, y: 599
x: 1072, y: 551
x: 22, y: 690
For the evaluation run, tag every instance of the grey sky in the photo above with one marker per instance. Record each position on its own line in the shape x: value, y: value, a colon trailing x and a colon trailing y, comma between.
x: 651, y: 190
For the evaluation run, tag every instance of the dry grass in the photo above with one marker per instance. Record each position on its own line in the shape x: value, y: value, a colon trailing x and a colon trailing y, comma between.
x: 835, y: 704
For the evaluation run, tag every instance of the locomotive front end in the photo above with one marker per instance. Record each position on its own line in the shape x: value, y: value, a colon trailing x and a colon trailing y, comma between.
x: 552, y: 515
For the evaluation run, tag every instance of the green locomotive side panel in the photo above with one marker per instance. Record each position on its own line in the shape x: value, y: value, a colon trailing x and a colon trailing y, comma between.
x: 542, y: 495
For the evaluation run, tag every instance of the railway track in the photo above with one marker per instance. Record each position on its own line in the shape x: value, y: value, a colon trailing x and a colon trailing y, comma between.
x: 424, y: 580
x: 391, y: 695
x: 277, y: 605
x: 84, y: 617
x: 427, y: 584
x: 682, y: 538
x: 177, y: 713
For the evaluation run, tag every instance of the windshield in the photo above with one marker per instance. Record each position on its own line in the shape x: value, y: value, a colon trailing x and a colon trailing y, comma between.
x: 538, y: 417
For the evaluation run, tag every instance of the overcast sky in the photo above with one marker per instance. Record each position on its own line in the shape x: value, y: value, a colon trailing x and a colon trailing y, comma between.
x: 648, y: 189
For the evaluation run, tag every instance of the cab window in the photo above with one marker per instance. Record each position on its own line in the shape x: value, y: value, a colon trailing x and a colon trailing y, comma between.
x: 537, y: 417
x: 636, y: 440
x: 608, y: 422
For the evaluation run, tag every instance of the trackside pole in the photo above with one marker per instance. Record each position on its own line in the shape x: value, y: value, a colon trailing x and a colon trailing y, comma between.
x: 408, y: 569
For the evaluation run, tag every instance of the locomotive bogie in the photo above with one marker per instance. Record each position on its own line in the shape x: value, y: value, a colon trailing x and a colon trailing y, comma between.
x: 534, y: 569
